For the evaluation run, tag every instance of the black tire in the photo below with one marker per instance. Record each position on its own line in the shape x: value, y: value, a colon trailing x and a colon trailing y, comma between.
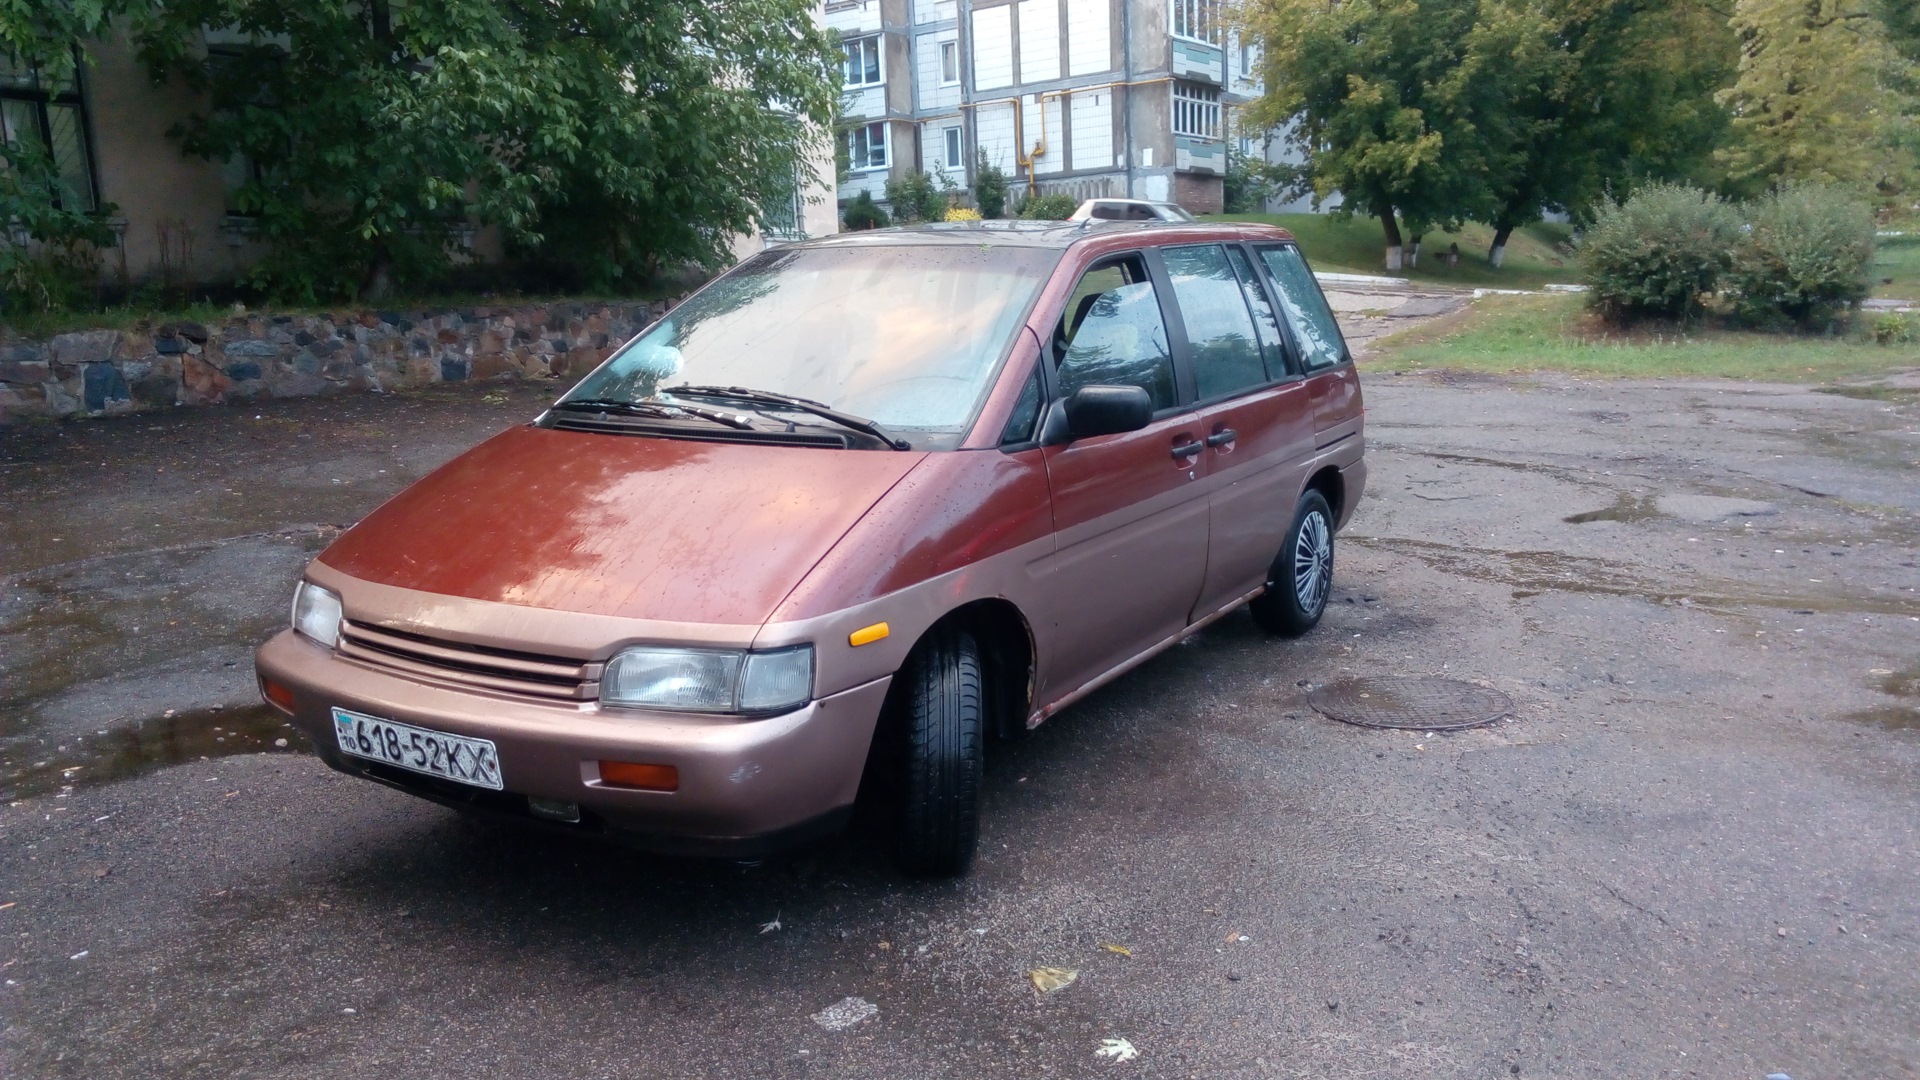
x: 941, y: 715
x: 1301, y: 567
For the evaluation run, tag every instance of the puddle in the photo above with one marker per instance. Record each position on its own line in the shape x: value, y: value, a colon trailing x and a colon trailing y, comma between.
x: 1902, y: 683
x: 1897, y: 394
x: 138, y: 749
x: 1889, y: 718
x: 1626, y: 508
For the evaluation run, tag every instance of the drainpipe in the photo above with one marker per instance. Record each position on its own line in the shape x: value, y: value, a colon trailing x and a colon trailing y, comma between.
x: 1126, y: 76
x: 969, y: 139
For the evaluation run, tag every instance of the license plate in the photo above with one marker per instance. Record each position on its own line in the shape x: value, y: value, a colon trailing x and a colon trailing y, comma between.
x: 421, y: 750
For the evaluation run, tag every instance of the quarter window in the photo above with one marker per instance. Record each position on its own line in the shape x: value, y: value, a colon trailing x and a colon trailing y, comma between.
x: 1111, y: 334
x: 862, y: 65
x: 867, y: 147
x: 1220, y: 331
x: 1196, y: 110
x: 39, y: 110
x: 1305, y: 307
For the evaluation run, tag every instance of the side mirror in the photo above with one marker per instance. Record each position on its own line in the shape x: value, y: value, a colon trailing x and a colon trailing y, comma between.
x: 1106, y: 410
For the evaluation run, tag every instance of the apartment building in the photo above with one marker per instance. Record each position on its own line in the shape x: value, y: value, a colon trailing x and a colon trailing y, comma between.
x: 1093, y: 98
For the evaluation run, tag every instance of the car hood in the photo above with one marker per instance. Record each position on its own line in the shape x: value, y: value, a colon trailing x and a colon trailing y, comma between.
x: 629, y: 526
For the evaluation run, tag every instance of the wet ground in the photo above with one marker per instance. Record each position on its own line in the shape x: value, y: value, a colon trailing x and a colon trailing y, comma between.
x: 1692, y: 851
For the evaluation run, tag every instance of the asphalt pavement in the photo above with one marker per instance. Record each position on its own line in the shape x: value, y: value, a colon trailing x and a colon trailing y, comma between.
x: 1691, y: 851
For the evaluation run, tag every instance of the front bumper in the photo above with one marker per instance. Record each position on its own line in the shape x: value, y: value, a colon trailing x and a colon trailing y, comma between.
x: 745, y: 784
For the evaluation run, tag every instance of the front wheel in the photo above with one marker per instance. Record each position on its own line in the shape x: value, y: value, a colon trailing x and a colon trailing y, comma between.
x: 941, y: 721
x: 1301, y: 578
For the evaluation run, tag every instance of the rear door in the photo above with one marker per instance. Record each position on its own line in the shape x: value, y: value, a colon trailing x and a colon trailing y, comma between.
x: 1130, y: 514
x: 1331, y: 379
x: 1254, y: 411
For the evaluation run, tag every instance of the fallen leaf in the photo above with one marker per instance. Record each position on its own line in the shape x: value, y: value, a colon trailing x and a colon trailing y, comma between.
x: 1048, y: 979
x: 1117, y: 1049
x: 1121, y: 949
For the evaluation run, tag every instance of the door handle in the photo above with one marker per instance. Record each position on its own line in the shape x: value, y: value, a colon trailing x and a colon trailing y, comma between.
x: 1222, y: 437
x: 1185, y: 450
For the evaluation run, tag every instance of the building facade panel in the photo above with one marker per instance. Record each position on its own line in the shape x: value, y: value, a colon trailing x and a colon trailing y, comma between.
x: 1039, y: 40
x: 1089, y: 36
x: 993, y: 47
x: 1091, y: 117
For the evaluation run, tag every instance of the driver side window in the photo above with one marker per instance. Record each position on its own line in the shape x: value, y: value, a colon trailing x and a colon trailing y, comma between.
x: 1111, y: 334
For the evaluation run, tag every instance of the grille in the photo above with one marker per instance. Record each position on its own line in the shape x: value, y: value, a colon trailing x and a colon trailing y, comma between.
x: 500, y: 671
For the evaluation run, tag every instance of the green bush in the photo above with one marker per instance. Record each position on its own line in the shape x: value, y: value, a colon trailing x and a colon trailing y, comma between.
x: 1054, y: 207
x: 1805, y: 258
x: 989, y: 189
x: 1896, y: 329
x: 863, y: 213
x: 1659, y: 252
x: 916, y: 197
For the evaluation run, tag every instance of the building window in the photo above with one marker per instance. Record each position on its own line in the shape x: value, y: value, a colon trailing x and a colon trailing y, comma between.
x: 1196, y: 110
x: 953, y: 158
x: 1198, y: 20
x: 54, y: 115
x: 949, y: 63
x: 862, y: 66
x: 867, y: 147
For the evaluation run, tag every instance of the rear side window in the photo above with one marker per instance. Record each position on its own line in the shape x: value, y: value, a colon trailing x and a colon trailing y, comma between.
x: 1111, y: 334
x: 1220, y: 334
x: 1268, y: 327
x: 1305, y: 308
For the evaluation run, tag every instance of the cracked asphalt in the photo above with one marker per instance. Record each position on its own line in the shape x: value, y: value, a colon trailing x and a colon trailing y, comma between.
x: 1691, y: 852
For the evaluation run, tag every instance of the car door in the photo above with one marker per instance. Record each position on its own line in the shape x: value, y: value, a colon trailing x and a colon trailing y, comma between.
x: 1254, y: 410
x: 1130, y: 515
x: 1331, y: 379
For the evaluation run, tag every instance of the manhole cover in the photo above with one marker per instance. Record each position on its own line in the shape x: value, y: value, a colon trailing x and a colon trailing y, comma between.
x: 1420, y: 703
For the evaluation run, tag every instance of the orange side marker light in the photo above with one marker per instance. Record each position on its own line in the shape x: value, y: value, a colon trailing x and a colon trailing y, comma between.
x: 277, y: 694
x: 867, y: 635
x: 632, y: 774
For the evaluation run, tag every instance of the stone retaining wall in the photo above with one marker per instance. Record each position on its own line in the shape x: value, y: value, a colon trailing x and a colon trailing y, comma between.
x: 252, y: 356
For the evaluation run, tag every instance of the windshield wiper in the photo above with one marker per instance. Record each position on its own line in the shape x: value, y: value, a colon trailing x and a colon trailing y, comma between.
x: 648, y: 408
x: 799, y: 404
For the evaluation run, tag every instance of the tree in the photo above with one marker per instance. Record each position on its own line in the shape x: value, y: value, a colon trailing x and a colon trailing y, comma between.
x: 633, y: 132
x: 37, y: 39
x: 1597, y: 96
x: 1386, y: 102
x: 989, y: 188
x: 1823, y: 94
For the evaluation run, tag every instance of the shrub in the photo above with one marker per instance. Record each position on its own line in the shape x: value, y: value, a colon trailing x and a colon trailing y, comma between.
x: 989, y: 189
x: 915, y: 198
x: 863, y: 213
x: 1806, y: 256
x: 1896, y: 329
x: 1054, y: 207
x: 1659, y: 252
x: 963, y: 213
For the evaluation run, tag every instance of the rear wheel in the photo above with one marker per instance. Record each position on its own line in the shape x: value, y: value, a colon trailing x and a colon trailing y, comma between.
x: 1301, y: 578
x: 940, y: 712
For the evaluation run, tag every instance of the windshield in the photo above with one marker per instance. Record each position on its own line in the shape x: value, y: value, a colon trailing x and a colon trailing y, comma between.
x: 909, y: 337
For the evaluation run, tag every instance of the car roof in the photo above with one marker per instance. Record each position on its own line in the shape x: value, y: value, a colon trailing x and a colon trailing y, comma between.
x: 1046, y: 234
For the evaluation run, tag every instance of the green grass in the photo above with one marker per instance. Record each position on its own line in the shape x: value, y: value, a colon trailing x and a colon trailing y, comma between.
x: 1534, y: 255
x: 1898, y: 258
x: 1506, y: 334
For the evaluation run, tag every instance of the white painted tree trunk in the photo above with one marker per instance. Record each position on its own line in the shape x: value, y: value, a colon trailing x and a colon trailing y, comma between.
x: 1498, y: 255
x: 1413, y: 254
x: 1393, y: 257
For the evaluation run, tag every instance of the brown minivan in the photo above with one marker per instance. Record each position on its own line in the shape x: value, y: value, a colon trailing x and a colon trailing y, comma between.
x: 847, y: 511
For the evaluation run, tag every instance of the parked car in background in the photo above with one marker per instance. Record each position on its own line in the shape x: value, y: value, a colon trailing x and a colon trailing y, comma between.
x: 846, y: 512
x: 1131, y: 210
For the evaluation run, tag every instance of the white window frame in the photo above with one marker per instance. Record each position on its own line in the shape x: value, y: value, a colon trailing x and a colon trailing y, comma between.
x: 953, y: 150
x: 950, y: 50
x: 1196, y: 20
x: 863, y: 134
x: 859, y: 46
x: 1196, y: 110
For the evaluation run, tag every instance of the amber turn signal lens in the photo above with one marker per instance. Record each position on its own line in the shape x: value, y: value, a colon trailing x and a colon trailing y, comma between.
x: 277, y: 695
x: 867, y: 635
x: 629, y: 774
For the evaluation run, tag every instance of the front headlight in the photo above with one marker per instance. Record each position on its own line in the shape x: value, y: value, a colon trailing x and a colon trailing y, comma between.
x: 709, y: 680
x: 316, y: 613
